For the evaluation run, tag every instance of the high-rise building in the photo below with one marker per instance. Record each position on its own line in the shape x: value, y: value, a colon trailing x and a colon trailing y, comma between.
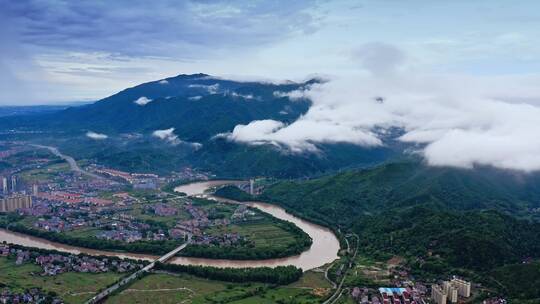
x: 438, y: 295
x: 451, y: 291
x: 14, y: 203
x: 463, y: 287
x: 35, y: 189
x: 5, y: 185
x: 251, y: 186
x: 13, y: 183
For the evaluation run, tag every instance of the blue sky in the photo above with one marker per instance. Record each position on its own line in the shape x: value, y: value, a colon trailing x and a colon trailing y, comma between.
x: 56, y: 51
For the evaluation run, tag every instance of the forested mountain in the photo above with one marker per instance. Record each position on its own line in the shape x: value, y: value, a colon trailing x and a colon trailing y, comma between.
x: 193, y: 110
x: 476, y: 219
x: 338, y: 199
x: 198, y: 106
x: 478, y: 240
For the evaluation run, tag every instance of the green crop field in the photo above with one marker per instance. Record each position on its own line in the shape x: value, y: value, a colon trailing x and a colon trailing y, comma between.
x: 262, y: 233
x: 71, y: 287
x: 165, y: 288
x: 312, y: 279
x: 183, y: 288
x: 46, y: 173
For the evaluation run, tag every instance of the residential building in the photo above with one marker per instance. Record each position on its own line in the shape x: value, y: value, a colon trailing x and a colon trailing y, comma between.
x: 5, y: 189
x: 35, y: 189
x: 13, y: 183
x: 451, y: 291
x: 463, y: 287
x: 15, y: 202
x: 438, y: 295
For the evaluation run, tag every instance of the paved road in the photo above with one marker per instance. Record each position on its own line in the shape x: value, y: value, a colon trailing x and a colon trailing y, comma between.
x: 105, y: 293
x: 72, y: 163
x: 340, y: 290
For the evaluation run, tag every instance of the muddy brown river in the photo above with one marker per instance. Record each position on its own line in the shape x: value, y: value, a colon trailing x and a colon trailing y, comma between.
x: 323, y: 250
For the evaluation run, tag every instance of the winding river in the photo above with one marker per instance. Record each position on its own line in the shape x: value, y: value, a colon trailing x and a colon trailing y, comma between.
x: 323, y: 250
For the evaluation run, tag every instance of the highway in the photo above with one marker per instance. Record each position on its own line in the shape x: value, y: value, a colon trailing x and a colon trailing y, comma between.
x: 134, y: 276
x: 70, y: 160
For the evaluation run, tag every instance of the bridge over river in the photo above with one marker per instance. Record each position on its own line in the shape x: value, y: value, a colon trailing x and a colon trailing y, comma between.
x: 134, y: 276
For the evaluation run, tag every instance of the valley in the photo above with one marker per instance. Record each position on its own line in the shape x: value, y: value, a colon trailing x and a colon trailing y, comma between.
x: 256, y: 223
x: 269, y: 152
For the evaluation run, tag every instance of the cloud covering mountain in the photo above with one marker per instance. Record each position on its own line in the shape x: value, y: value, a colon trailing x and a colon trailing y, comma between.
x: 453, y: 120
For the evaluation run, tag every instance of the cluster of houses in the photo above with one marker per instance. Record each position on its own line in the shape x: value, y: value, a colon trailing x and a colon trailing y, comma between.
x: 61, y: 217
x: 123, y: 235
x: 161, y: 209
x: 388, y: 295
x: 142, y: 181
x: 242, y: 213
x: 405, y: 290
x: 53, y: 263
x: 33, y: 295
x: 199, y: 221
x: 126, y: 228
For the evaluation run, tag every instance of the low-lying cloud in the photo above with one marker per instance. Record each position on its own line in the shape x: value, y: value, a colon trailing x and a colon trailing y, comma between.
x: 96, y: 136
x: 169, y: 136
x: 452, y: 120
x: 212, y: 89
x: 142, y: 101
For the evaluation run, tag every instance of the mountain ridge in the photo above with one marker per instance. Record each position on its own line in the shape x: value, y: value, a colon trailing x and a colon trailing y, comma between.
x: 192, y: 109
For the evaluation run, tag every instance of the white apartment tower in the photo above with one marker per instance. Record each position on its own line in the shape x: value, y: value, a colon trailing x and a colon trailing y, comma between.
x: 438, y: 295
x: 451, y: 291
x: 463, y: 287
x: 35, y: 189
x: 5, y: 185
x: 13, y: 183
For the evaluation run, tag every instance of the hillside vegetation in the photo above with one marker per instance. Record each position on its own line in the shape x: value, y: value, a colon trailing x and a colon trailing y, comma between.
x: 441, y: 218
x: 340, y: 199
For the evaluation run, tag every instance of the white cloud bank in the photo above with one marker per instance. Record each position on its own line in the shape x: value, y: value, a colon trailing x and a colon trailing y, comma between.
x: 169, y: 136
x: 142, y: 101
x: 212, y: 89
x: 96, y: 136
x: 456, y: 120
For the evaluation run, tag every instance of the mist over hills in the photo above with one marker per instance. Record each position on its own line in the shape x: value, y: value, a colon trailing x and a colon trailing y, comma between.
x: 185, y: 120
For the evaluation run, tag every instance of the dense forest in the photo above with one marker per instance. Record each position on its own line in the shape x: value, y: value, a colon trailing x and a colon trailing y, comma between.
x: 234, y: 193
x: 339, y: 200
x: 478, y: 240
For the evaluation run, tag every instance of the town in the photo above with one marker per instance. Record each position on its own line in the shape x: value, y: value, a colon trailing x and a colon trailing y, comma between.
x: 51, y: 196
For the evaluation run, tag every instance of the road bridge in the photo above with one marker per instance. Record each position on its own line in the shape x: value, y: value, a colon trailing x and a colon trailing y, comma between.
x: 136, y: 275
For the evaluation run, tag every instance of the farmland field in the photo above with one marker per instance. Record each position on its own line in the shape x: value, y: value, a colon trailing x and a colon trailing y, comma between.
x: 71, y: 287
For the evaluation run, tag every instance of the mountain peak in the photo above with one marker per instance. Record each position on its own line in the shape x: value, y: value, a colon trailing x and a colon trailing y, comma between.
x: 190, y: 76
